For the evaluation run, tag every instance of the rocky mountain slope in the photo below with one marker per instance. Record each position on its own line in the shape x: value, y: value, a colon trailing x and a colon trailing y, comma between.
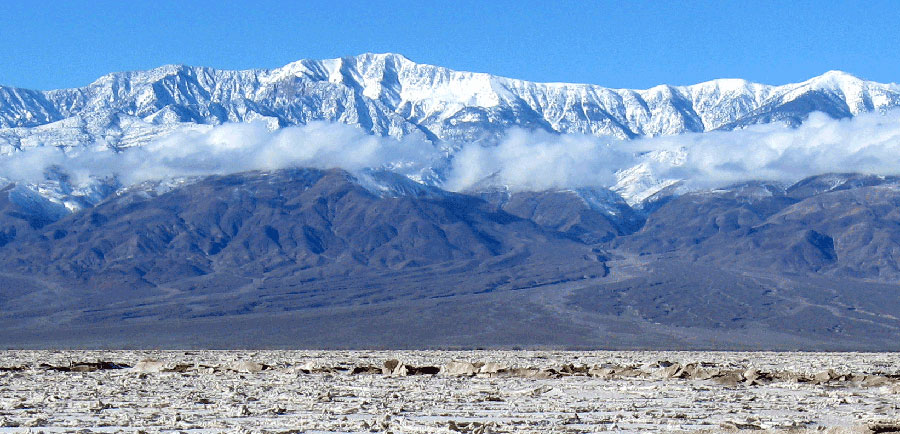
x: 838, y: 224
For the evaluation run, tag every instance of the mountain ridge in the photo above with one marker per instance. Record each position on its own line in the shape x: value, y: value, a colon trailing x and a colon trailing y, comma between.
x: 390, y: 95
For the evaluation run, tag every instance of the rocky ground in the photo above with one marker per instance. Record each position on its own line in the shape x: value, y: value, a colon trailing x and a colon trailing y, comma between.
x: 447, y: 391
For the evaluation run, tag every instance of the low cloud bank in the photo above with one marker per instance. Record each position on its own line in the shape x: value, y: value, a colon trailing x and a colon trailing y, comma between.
x: 539, y: 161
x: 224, y: 149
x: 869, y: 143
x: 523, y: 160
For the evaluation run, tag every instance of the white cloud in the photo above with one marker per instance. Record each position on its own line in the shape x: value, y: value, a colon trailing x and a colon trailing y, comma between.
x: 539, y: 161
x: 522, y: 160
x: 868, y: 143
x: 223, y: 149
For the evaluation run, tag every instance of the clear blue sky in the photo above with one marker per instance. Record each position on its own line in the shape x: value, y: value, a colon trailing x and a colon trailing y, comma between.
x: 620, y: 44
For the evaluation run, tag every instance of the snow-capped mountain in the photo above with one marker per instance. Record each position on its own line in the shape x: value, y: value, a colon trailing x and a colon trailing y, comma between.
x: 390, y: 95
x: 294, y: 243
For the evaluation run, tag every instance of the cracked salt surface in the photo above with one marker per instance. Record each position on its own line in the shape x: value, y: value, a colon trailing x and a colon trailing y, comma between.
x: 484, y: 392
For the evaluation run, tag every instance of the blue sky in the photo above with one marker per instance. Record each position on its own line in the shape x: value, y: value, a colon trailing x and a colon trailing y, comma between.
x: 619, y: 44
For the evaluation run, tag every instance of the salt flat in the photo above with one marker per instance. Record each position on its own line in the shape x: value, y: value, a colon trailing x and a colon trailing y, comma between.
x: 424, y: 392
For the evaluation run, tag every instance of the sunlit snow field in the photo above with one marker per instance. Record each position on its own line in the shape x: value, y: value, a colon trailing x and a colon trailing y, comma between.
x: 472, y: 391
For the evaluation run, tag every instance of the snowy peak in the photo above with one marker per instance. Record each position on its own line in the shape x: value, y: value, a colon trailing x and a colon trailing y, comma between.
x: 836, y: 76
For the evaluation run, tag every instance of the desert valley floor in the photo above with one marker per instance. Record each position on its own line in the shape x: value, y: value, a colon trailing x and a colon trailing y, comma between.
x: 447, y: 391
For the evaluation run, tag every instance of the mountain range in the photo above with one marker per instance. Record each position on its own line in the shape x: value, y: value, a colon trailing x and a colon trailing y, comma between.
x: 390, y: 95
x: 311, y: 258
x: 306, y: 257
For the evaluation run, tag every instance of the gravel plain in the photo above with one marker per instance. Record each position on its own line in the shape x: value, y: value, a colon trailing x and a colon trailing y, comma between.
x: 447, y: 391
